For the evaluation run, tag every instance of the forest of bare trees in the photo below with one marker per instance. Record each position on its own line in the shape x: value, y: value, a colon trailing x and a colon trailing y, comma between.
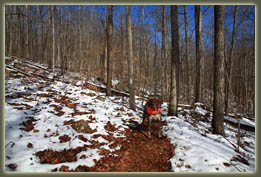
x: 144, y: 48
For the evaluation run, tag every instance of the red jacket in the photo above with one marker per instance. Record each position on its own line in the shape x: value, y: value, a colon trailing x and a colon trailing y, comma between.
x: 150, y: 111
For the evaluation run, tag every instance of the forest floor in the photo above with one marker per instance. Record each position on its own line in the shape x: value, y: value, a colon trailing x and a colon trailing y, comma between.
x: 54, y: 125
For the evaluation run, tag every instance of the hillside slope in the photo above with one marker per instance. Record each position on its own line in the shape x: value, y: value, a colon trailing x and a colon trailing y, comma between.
x: 52, y: 125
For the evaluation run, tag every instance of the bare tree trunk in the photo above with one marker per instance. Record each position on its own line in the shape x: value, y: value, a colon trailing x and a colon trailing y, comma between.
x: 53, y: 48
x: 105, y: 51
x: 11, y: 33
x: 145, y: 50
x: 187, y: 54
x: 164, y: 52
x: 22, y: 35
x: 19, y: 38
x: 122, y: 55
x: 63, y: 42
x: 173, y: 101
x: 245, y: 84
x: 14, y: 36
x: 80, y: 46
x: 43, y: 40
x: 49, y: 26
x: 130, y: 59
x: 218, y: 104
x: 27, y: 33
x: 229, y: 64
x: 91, y: 44
x: 109, y: 47
x: 198, y: 18
x: 59, y: 37
x: 155, y: 69
x: 105, y: 62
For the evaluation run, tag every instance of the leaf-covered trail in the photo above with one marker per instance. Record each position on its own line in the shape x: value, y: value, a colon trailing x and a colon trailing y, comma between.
x: 140, y: 154
x: 145, y: 155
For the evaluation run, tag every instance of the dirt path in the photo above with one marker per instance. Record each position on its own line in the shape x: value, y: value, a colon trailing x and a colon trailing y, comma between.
x: 141, y: 154
x: 138, y: 154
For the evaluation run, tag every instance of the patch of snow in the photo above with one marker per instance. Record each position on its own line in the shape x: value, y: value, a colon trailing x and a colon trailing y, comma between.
x: 201, y: 110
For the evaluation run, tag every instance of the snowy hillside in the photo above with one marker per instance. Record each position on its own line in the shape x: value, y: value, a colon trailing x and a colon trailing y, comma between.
x: 52, y: 125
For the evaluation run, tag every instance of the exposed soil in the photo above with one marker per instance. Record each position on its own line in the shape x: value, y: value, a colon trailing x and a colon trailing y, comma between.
x: 141, y: 154
x: 138, y: 153
x: 54, y: 157
x: 28, y: 124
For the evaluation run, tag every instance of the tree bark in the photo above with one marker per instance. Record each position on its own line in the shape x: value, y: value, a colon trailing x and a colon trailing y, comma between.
x: 80, y: 46
x: 173, y: 101
x: 109, y: 43
x: 22, y: 32
x: 187, y: 54
x: 122, y: 55
x: 27, y: 33
x: 11, y: 33
x: 198, y: 27
x: 130, y: 59
x: 43, y: 40
x: 19, y: 33
x: 104, y: 66
x: 218, y: 104
x: 146, y: 68
x: 49, y: 26
x: 164, y: 52
x: 155, y: 64
x: 53, y: 47
x: 59, y: 37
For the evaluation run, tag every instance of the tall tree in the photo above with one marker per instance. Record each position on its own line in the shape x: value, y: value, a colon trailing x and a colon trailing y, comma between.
x: 19, y: 38
x: 164, y: 51
x: 27, y: 32
x: 80, y: 45
x: 187, y: 53
x: 53, y: 33
x: 173, y: 101
x: 22, y: 29
x: 229, y: 63
x: 155, y: 64
x: 11, y: 32
x: 253, y: 71
x: 219, y: 82
x: 198, y: 27
x: 49, y: 27
x: 58, y: 34
x: 145, y: 47
x: 130, y: 59
x: 109, y: 47
x: 104, y: 54
x: 123, y: 56
x: 44, y: 36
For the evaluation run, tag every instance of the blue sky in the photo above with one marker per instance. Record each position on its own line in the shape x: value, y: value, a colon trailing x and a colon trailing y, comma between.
x: 207, y: 18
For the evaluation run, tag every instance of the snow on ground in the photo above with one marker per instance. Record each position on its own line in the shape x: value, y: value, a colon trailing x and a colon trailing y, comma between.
x: 48, y: 123
x: 243, y: 121
x: 197, y: 149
